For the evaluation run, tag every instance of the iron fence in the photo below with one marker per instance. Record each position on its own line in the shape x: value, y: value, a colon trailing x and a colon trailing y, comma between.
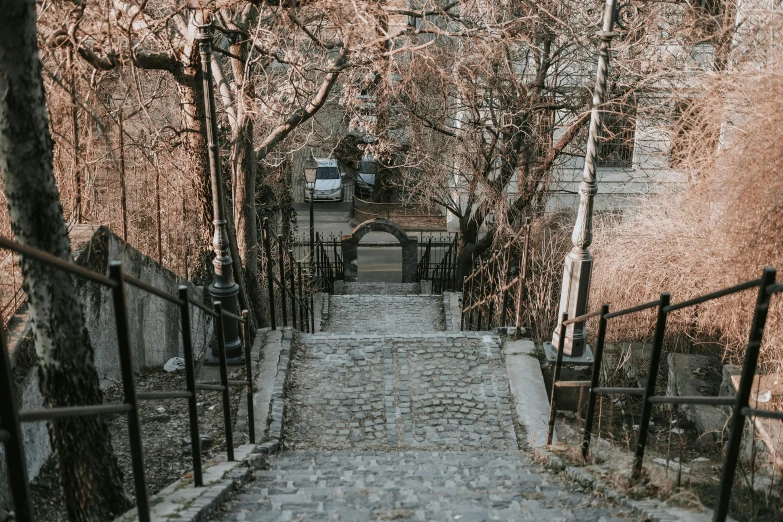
x: 740, y: 402
x: 290, y: 289
x: 11, y: 418
x: 438, y: 263
x: 488, y: 287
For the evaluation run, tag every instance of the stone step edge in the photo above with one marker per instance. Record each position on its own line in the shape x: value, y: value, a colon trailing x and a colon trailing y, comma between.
x: 494, y: 337
x: 384, y: 296
x: 183, y: 502
x: 652, y: 509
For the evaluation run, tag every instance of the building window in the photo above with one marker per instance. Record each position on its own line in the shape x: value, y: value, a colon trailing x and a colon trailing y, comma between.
x: 617, y: 137
x: 544, y: 122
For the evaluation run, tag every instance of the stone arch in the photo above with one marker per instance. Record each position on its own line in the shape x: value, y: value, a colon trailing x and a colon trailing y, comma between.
x: 350, y: 244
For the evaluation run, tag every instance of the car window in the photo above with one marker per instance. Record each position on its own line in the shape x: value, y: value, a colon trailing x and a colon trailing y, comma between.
x: 327, y: 173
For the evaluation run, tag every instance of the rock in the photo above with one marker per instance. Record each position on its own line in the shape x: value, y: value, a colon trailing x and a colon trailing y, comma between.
x: 672, y: 465
x: 174, y: 364
x: 187, y: 449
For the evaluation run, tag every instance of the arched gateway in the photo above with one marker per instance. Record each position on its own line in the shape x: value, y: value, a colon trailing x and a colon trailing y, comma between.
x: 350, y: 244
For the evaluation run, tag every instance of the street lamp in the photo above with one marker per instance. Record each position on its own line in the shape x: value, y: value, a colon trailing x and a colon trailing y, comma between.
x: 223, y: 287
x: 310, y: 171
x: 579, y: 261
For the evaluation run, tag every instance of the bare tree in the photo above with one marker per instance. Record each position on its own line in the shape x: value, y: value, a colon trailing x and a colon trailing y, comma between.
x: 91, y: 477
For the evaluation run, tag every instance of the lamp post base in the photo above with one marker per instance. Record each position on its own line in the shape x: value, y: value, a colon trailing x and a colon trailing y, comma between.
x: 585, y: 359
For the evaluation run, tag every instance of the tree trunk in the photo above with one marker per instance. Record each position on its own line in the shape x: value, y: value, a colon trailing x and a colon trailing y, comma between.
x: 191, y: 104
x: 90, y: 475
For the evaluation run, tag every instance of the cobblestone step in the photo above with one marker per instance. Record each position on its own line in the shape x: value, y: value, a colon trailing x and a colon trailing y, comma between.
x: 385, y: 313
x: 444, y: 390
x: 356, y: 288
x: 432, y: 486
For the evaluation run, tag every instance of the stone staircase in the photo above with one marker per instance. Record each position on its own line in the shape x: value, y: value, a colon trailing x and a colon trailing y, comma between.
x: 432, y: 486
x: 388, y: 417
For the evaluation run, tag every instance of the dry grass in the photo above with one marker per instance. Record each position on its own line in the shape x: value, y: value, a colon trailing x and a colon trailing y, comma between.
x: 720, y: 230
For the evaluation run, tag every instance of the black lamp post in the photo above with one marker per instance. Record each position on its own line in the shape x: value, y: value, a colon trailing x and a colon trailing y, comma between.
x: 310, y: 171
x: 223, y: 287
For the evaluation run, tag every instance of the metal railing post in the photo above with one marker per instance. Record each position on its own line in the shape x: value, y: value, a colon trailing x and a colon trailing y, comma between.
x: 464, y: 305
x: 292, y: 269
x: 555, y: 378
x: 312, y: 314
x: 281, y: 272
x: 251, y: 417
x: 190, y: 385
x: 302, y: 306
x: 743, y: 395
x: 587, y: 429
x: 14, y: 446
x: 129, y: 389
x: 269, y: 273
x: 649, y: 390
x: 224, y: 381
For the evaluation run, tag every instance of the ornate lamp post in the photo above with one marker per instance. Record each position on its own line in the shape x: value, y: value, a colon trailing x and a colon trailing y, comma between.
x: 223, y: 287
x: 310, y: 171
x: 579, y: 261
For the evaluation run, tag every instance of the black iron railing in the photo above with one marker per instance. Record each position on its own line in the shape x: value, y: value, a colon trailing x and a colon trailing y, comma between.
x: 290, y: 288
x: 11, y: 418
x: 486, y: 293
x: 740, y: 402
x: 438, y: 263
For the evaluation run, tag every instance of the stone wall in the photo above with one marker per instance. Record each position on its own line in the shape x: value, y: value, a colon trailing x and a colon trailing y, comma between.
x: 350, y: 247
x: 154, y: 329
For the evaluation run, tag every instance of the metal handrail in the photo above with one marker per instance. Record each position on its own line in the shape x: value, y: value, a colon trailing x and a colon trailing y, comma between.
x: 747, y: 285
x: 740, y: 401
x: 11, y: 435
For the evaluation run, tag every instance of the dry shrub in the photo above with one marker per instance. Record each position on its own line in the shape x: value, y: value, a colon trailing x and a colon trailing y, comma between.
x: 550, y: 241
x: 722, y: 228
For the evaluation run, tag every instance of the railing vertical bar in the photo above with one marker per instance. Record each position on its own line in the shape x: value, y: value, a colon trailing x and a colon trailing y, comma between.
x: 269, y: 273
x: 597, y: 357
x: 506, y: 279
x: 312, y: 314
x: 251, y: 417
x: 649, y: 390
x: 292, y: 279
x: 129, y: 390
x: 14, y: 447
x: 555, y: 378
x: 522, y: 281
x: 302, y: 317
x: 190, y: 385
x: 281, y: 271
x: 224, y: 380
x: 743, y: 395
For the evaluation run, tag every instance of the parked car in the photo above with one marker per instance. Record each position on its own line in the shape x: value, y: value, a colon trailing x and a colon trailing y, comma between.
x: 328, y: 181
x: 365, y: 179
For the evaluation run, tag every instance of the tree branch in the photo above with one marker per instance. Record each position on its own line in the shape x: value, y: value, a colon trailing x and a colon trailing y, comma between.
x: 301, y: 115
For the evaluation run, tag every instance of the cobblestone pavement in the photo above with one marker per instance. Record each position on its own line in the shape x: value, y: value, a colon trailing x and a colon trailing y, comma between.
x: 437, y: 390
x: 401, y: 421
x: 381, y: 288
x: 385, y: 313
x: 404, y: 486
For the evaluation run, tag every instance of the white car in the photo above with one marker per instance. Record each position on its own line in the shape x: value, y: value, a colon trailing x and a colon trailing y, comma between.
x: 328, y: 181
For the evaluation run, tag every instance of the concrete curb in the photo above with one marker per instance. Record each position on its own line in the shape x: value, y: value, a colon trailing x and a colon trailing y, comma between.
x: 277, y: 404
x: 652, y: 510
x: 241, y: 431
